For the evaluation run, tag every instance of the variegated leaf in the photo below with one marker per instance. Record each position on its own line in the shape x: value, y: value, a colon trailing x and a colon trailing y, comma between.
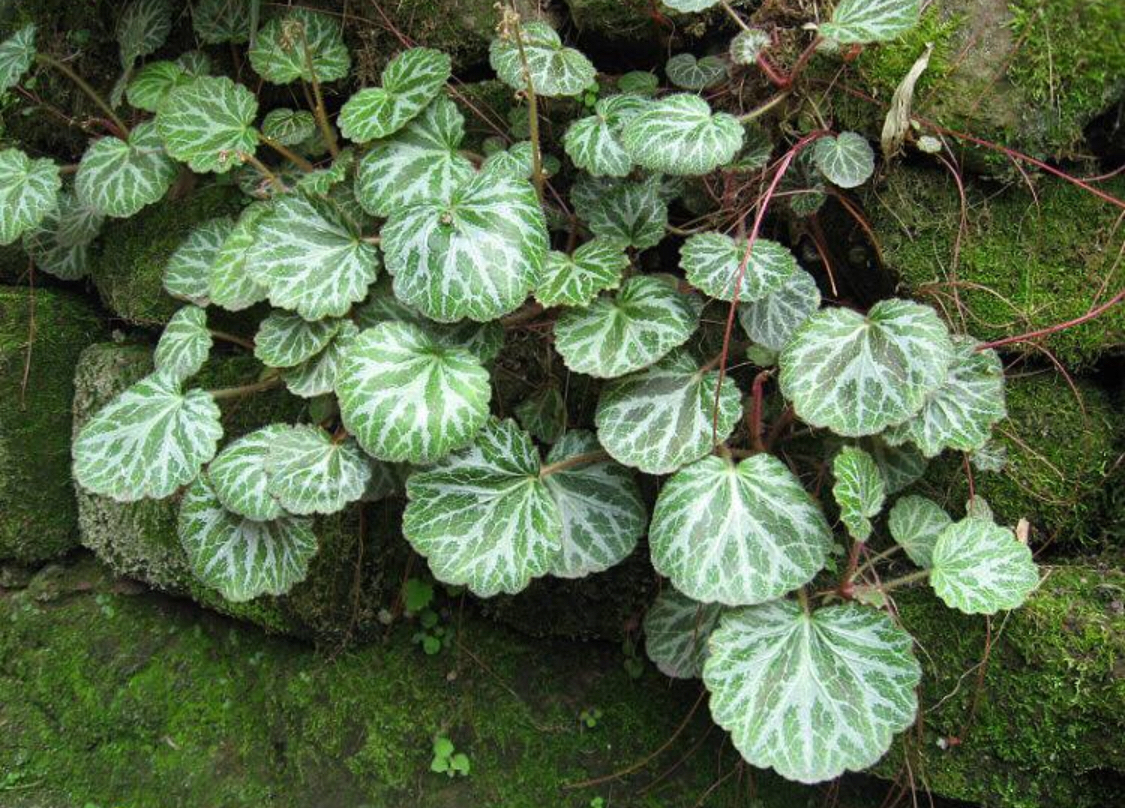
x: 185, y: 344
x: 846, y: 160
x: 142, y: 28
x: 302, y: 44
x: 772, y: 321
x: 915, y: 523
x: 688, y: 6
x: 689, y: 73
x: 194, y: 62
x: 864, y: 21
x: 238, y: 475
x: 662, y: 418
x: 118, y: 178
x: 483, y: 517
x: 218, y: 21
x: 323, y: 180
x: 17, y: 53
x: 187, y: 275
x: 678, y: 134
x: 543, y: 414
x: 285, y: 340
x: 153, y: 82
x: 625, y: 331
x: 518, y: 162
x: 639, y: 82
x: 859, y: 490
x: 242, y: 558
x: 421, y: 163
x: 632, y: 213
x: 208, y: 123
x: 711, y: 262
x: 410, y: 82
x: 60, y: 243
x: 29, y: 191
x: 575, y: 280
x: 811, y: 695
x: 289, y: 127
x: 748, y: 46
x: 737, y: 534
x: 979, y: 567
x: 603, y: 515
x: 477, y: 255
x: 406, y: 396
x: 308, y: 471
x: 858, y: 375
x: 553, y: 68
x: 901, y: 466
x: 594, y: 145
x: 232, y: 283
x: 317, y: 375
x: 148, y: 441
x: 677, y: 629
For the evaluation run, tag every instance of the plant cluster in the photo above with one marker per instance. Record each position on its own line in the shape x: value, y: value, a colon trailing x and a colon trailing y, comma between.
x: 396, y: 262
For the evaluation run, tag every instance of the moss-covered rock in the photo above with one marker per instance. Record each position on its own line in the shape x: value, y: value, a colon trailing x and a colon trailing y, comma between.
x: 1025, y: 262
x: 346, y: 585
x: 129, y: 270
x: 1040, y: 723
x: 42, y: 333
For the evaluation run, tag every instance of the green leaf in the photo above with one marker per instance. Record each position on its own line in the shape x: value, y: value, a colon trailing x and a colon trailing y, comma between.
x: 978, y: 508
x: 60, y: 243
x: 232, y: 284
x: 410, y: 82
x: 858, y: 375
x: 847, y: 160
x: 421, y: 163
x: 322, y: 181
x: 208, y: 122
x: 194, y: 62
x: 689, y: 73
x: 676, y: 632
x: 17, y: 53
x: 737, y: 534
x: 289, y: 127
x: 285, y: 340
x: 901, y: 466
x: 142, y: 28
x: 864, y: 21
x: 553, y: 68
x: 543, y: 414
x: 772, y: 321
x: 711, y: 262
x: 594, y: 143
x: 185, y: 344
x: 626, y: 331
x: 661, y: 418
x: 406, y: 396
x: 859, y: 490
x: 575, y: 280
x: 961, y: 412
x: 153, y: 82
x: 317, y: 375
x: 811, y: 695
x: 218, y: 21
x: 632, y: 213
x: 29, y: 191
x: 476, y: 256
x: 483, y: 517
x: 687, y: 6
x: 638, y: 82
x: 678, y: 134
x: 311, y: 256
x: 979, y: 567
x: 748, y: 46
x: 308, y: 472
x: 603, y: 515
x: 915, y: 523
x: 238, y: 478
x: 285, y: 47
x: 243, y: 558
x: 148, y: 441
x: 518, y: 162
x: 118, y: 178
x: 187, y: 275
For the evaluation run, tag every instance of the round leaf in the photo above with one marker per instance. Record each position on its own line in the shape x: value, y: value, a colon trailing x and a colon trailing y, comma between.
x: 17, y: 53
x: 864, y: 21
x: 187, y: 275
x: 410, y: 82
x: 979, y: 567
x: 60, y: 243
x: 772, y: 321
x: 238, y: 475
x: 689, y: 73
x: 711, y: 262
x: 915, y: 523
x: 185, y: 343
x: 688, y: 6
x: 287, y: 47
x: 142, y: 28
x: 208, y: 122
x: 847, y: 160
x: 632, y: 213
x: 317, y: 375
x: 152, y: 83
x: 553, y: 68
x: 748, y: 46
x: 307, y: 471
x: 285, y: 340
x: 29, y: 191
x: 677, y: 629
x: 289, y: 127
x: 678, y: 134
x: 594, y: 143
x: 118, y: 178
x: 575, y: 280
x: 218, y: 21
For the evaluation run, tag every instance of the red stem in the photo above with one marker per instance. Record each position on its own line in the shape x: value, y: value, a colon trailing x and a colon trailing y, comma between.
x: 1042, y: 332
x: 755, y: 422
x: 775, y: 78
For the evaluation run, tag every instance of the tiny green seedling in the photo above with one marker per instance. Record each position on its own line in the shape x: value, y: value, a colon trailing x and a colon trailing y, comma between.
x: 447, y: 760
x: 590, y: 717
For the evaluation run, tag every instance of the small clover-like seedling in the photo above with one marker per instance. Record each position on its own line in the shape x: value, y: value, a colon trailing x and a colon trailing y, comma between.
x: 446, y: 760
x: 590, y: 717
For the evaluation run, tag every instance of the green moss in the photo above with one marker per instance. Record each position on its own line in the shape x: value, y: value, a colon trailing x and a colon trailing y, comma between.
x: 885, y: 66
x: 38, y: 519
x: 1026, y: 262
x: 1059, y: 449
x: 129, y: 271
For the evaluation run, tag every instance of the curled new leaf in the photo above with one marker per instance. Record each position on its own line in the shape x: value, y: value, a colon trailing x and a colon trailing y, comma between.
x: 772, y: 320
x: 238, y: 478
x: 285, y: 340
x: 187, y: 275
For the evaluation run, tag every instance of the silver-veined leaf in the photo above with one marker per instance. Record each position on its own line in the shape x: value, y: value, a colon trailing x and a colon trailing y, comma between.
x: 677, y: 629
x: 858, y: 375
x: 864, y: 21
x: 311, y: 255
x: 185, y: 343
x: 410, y: 82
x: 308, y: 472
x: 232, y: 284
x: 285, y: 340
x: 639, y: 82
x: 748, y: 46
x: 627, y: 330
x: 859, y: 490
x: 543, y: 414
x: 518, y: 162
x: 915, y: 523
x: 661, y: 418
x: 187, y: 275
x: 118, y: 178
x: 208, y: 123
x: 302, y: 44
x: 846, y: 160
x: 406, y: 396
x: 711, y: 262
x: 553, y: 68
x: 679, y: 134
x: 218, y: 21
x: 29, y: 191
x: 575, y: 280
x: 148, y: 441
x: 153, y: 82
x: 289, y: 127
x: 238, y: 475
x: 60, y: 243
x: 737, y: 533
x: 772, y: 321
x: 323, y: 180
x: 483, y: 517
x: 142, y: 28
x: 477, y: 255
x: 317, y: 375
x: 687, y: 6
x: 17, y: 53
x: 421, y: 163
x: 632, y: 213
x: 194, y: 62
x: 811, y: 695
x: 689, y: 73
x: 961, y: 412
x: 979, y: 567
x: 901, y: 466
x: 603, y: 515
x: 76, y: 223
x: 594, y: 144
x: 242, y: 558
x: 978, y: 508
